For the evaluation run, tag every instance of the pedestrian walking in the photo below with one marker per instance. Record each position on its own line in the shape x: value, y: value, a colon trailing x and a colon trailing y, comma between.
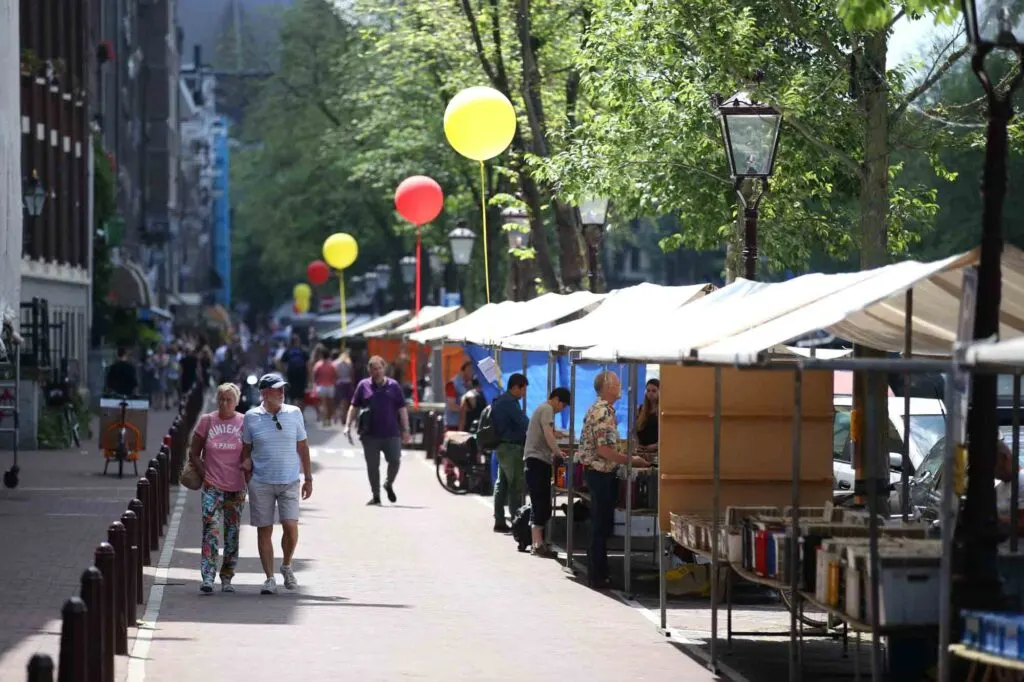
x: 539, y: 455
x: 216, y: 454
x: 383, y: 426
x: 274, y: 449
x: 510, y: 424
x: 599, y: 453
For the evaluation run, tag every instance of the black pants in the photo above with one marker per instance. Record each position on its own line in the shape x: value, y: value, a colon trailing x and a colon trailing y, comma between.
x: 373, y: 447
x: 538, y: 485
x: 603, y: 488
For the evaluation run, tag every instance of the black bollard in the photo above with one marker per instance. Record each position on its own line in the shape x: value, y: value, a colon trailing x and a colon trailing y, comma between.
x: 73, y: 643
x: 117, y: 536
x: 105, y: 560
x: 153, y: 508
x: 161, y: 482
x: 140, y: 506
x: 40, y: 668
x: 132, y: 567
x: 166, y: 472
x: 92, y: 595
x: 428, y: 433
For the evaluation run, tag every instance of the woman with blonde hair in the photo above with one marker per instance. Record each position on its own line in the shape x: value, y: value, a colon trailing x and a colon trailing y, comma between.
x: 345, y: 384
x: 216, y: 453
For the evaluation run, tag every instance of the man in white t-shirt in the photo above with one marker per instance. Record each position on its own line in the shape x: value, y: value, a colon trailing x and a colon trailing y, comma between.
x: 539, y: 453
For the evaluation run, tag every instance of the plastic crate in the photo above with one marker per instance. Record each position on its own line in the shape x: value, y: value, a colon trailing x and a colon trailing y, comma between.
x: 973, y: 626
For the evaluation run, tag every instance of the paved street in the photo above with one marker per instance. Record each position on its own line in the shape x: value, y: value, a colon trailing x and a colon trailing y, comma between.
x: 419, y: 590
x: 49, y: 527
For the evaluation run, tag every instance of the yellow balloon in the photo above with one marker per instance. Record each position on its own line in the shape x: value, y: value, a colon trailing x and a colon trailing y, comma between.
x: 302, y: 292
x: 340, y: 250
x: 302, y: 305
x: 479, y: 123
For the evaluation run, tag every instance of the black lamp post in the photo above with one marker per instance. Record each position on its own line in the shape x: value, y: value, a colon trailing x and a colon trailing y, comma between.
x: 437, y: 262
x: 34, y: 199
x: 407, y: 268
x: 372, y: 281
x: 990, y: 26
x: 461, y: 240
x: 516, y: 223
x: 593, y: 215
x: 383, y: 271
x: 751, y: 134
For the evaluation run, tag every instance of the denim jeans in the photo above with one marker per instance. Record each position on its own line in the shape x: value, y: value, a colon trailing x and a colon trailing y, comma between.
x: 603, y: 488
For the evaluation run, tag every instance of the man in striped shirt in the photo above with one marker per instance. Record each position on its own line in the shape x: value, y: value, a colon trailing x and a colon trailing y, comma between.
x: 273, y: 448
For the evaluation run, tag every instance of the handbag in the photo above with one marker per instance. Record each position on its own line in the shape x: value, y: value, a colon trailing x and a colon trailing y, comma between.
x: 363, y: 420
x: 190, y: 477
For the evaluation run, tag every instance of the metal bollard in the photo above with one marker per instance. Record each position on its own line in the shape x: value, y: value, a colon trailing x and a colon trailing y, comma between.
x: 132, y: 567
x: 153, y: 508
x: 428, y: 433
x: 40, y: 668
x: 117, y: 536
x: 140, y: 505
x: 105, y: 560
x: 96, y: 631
x: 164, y: 460
x: 161, y: 513
x: 73, y: 643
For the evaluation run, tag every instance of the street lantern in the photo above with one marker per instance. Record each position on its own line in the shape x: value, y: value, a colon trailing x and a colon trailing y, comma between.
x: 990, y: 24
x: 407, y: 266
x: 34, y: 196
x: 750, y: 131
x: 436, y: 259
x: 593, y: 215
x: 371, y: 280
x: 461, y: 240
x: 517, y: 227
x: 357, y: 285
x: 383, y: 276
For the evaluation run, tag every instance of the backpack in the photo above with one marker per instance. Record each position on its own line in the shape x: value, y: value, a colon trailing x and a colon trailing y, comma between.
x: 521, y: 528
x: 486, y: 434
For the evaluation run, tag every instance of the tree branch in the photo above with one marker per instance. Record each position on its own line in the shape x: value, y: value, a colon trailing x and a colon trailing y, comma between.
x: 805, y: 132
x: 899, y: 15
x: 478, y: 42
x: 933, y: 77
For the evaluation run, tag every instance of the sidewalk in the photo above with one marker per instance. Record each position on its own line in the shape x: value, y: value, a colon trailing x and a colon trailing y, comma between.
x: 49, y: 527
x: 417, y: 590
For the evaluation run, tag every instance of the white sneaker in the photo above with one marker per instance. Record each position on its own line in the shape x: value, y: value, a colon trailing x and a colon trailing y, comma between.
x: 288, y: 574
x: 269, y: 586
x: 206, y: 587
x: 226, y: 586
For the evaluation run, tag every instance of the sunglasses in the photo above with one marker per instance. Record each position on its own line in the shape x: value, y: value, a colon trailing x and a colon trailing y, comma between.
x: 276, y: 422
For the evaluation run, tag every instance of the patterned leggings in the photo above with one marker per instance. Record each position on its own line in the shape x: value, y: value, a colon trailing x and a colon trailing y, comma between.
x: 220, y: 509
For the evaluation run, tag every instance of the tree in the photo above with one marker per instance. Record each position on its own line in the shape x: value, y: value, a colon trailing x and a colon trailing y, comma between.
x: 10, y: 173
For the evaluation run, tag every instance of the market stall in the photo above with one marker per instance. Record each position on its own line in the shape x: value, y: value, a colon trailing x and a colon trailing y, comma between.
x: 376, y: 324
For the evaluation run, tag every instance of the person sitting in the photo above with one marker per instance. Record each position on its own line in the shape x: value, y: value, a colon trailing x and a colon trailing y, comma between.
x: 471, y: 407
x: 122, y: 379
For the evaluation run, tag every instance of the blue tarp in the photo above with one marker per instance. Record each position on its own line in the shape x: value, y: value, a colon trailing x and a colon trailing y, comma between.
x: 585, y: 394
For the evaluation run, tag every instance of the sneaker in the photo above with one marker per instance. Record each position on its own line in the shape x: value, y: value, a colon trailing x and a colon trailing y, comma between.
x: 501, y: 527
x: 374, y: 502
x: 290, y: 583
x: 544, y: 552
x: 269, y: 586
x: 206, y: 587
x: 226, y: 586
x: 390, y: 490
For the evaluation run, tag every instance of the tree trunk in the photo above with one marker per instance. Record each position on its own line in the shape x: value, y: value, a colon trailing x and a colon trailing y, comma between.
x: 10, y: 163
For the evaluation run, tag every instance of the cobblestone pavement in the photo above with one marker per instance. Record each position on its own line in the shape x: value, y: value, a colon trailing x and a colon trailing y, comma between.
x: 49, y: 527
x: 418, y: 590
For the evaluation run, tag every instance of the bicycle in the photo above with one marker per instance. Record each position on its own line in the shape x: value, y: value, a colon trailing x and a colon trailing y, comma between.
x: 122, y: 450
x: 59, y: 396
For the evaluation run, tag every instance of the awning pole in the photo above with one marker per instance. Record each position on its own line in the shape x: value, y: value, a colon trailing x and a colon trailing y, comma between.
x: 716, y: 499
x: 570, y: 469
x: 908, y: 351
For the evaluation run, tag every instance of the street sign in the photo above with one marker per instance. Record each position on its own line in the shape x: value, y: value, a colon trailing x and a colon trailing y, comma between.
x: 452, y: 299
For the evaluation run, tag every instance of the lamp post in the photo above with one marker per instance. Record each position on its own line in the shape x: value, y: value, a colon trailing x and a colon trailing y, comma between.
x: 371, y: 281
x: 751, y: 134
x: 407, y: 269
x: 990, y: 27
x: 383, y: 281
x: 33, y: 199
x: 516, y: 223
x: 461, y: 240
x: 593, y: 215
x: 436, y: 260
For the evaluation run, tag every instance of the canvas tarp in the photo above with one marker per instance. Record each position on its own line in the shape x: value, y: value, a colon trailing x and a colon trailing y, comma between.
x: 534, y: 314
x: 621, y: 308
x: 483, y: 316
x: 429, y: 316
x: 376, y: 324
x: 872, y: 312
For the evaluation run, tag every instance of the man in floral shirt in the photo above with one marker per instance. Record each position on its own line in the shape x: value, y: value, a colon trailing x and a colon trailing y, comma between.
x: 599, y: 453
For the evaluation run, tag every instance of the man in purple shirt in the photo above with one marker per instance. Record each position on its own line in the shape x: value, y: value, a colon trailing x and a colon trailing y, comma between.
x: 383, y: 425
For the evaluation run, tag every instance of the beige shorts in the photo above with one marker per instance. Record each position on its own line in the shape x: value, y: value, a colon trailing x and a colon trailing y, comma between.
x: 266, y: 498
x: 325, y: 392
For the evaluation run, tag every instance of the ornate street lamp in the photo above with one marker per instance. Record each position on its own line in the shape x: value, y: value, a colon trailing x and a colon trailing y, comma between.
x: 407, y: 266
x: 991, y: 25
x: 751, y: 134
x: 371, y: 280
x: 436, y: 262
x: 516, y: 223
x: 461, y: 240
x: 593, y: 216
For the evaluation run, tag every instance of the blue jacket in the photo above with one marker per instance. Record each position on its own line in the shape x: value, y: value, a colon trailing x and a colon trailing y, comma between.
x: 509, y: 419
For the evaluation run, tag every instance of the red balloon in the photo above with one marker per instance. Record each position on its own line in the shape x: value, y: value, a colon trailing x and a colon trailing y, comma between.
x: 317, y: 273
x: 419, y: 199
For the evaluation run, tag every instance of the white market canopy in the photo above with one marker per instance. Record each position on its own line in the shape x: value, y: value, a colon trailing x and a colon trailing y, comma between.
x: 872, y: 311
x: 376, y: 324
x: 429, y: 316
x: 643, y: 303
x: 484, y: 316
x: 534, y: 314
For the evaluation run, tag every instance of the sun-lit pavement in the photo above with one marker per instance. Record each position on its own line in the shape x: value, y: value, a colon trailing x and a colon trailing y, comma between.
x: 417, y: 590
